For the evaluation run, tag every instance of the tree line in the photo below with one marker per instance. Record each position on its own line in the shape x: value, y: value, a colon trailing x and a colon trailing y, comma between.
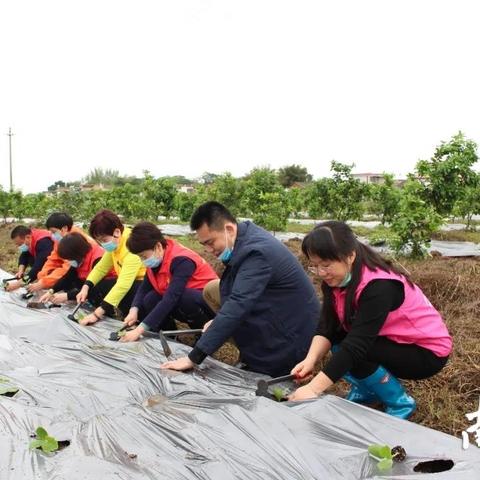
x: 446, y: 185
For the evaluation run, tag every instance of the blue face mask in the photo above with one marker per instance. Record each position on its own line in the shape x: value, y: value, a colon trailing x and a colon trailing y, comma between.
x: 74, y: 263
x: 152, y: 262
x: 227, y: 253
x: 57, y: 236
x: 346, y: 280
x: 23, y: 248
x: 110, y: 246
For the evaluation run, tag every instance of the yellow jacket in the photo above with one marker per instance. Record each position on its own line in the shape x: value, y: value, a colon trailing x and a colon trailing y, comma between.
x: 127, y: 266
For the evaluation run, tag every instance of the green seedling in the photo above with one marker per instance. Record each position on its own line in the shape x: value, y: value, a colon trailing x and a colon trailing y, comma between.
x: 44, y: 441
x: 8, y: 391
x: 383, y: 455
x: 279, y: 393
x: 386, y: 455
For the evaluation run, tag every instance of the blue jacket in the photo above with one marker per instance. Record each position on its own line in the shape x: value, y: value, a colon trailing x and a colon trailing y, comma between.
x: 269, y: 305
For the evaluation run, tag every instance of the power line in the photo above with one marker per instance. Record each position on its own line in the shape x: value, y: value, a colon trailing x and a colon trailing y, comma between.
x: 10, y: 135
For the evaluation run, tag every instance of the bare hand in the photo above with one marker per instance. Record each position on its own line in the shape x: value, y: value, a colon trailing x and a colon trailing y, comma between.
x: 205, y: 327
x: 180, y: 364
x: 34, y: 287
x: 20, y: 273
x: 133, y: 335
x: 303, y: 369
x: 46, y: 297
x: 15, y: 285
x: 58, y: 298
x: 302, y: 393
x: 131, y: 318
x: 88, y: 320
x: 82, y: 294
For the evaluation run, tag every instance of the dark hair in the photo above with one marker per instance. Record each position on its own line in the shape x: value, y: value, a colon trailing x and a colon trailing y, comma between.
x: 59, y: 220
x: 20, y: 231
x: 333, y: 240
x: 104, y: 223
x: 145, y: 236
x: 73, y: 246
x: 214, y: 214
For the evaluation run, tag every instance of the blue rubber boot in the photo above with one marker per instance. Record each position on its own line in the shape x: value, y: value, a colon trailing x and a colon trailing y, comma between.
x: 390, y: 392
x: 358, y: 393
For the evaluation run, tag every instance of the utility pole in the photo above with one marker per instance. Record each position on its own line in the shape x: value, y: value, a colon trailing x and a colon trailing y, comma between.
x: 10, y: 135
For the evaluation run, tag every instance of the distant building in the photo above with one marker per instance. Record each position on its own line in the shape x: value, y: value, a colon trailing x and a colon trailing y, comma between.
x: 369, y: 177
x: 185, y: 188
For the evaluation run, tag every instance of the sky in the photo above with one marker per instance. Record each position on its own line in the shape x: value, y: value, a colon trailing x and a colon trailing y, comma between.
x: 185, y: 87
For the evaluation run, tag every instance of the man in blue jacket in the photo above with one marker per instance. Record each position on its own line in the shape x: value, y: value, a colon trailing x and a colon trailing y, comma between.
x: 268, y: 304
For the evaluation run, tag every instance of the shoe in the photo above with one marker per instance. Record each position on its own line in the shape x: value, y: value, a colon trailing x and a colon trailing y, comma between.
x: 390, y: 392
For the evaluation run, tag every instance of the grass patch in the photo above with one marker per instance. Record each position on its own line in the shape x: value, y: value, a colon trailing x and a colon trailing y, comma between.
x: 457, y: 236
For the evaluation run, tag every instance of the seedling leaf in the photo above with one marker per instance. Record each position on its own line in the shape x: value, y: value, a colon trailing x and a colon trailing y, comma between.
x: 44, y: 441
x: 50, y: 444
x: 385, y: 464
x: 35, y: 444
x: 41, y: 433
x: 380, y: 451
x: 4, y: 390
x: 278, y: 393
x: 383, y: 454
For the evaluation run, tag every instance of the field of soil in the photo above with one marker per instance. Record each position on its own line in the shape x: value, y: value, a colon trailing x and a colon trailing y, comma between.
x: 452, y: 285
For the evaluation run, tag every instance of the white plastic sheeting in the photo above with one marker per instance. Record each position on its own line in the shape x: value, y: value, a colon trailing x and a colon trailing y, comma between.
x: 127, y: 419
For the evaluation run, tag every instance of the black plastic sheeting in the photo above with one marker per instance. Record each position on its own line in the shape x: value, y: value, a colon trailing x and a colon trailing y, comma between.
x: 128, y: 420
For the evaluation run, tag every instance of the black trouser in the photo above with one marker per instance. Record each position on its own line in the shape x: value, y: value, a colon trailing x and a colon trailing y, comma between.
x: 404, y: 360
x: 100, y: 291
x: 191, y: 309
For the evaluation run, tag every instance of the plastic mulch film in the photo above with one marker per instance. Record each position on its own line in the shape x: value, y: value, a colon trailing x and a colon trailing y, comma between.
x: 126, y: 419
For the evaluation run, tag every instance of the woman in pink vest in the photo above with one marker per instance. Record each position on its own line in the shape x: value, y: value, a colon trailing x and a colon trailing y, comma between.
x: 82, y: 256
x: 172, y: 288
x: 378, y: 324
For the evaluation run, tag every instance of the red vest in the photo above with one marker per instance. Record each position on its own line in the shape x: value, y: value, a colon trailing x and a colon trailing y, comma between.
x: 203, y: 273
x: 38, y: 234
x: 87, y: 264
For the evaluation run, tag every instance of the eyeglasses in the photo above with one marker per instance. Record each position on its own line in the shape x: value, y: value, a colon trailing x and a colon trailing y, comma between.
x: 317, y: 269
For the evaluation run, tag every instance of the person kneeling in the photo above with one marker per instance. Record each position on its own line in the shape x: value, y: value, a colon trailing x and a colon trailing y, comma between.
x: 173, y: 286
x: 82, y: 257
x: 378, y: 324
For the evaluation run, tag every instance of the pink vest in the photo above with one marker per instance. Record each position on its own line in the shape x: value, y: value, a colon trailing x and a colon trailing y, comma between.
x: 415, y: 321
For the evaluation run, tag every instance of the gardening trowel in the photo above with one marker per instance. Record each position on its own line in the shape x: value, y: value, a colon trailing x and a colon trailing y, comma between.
x: 116, y: 336
x: 41, y: 305
x: 262, y: 385
x: 71, y: 316
x: 161, y: 335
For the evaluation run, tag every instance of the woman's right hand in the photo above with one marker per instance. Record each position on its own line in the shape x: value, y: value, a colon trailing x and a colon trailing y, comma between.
x: 304, y: 368
x: 131, y: 318
x: 20, y: 272
x: 46, y: 297
x: 82, y: 294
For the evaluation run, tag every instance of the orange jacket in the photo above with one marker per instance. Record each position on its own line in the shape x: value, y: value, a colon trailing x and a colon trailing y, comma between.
x: 55, y: 267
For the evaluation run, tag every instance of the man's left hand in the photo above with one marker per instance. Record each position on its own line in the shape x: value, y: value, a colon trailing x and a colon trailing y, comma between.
x: 180, y: 364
